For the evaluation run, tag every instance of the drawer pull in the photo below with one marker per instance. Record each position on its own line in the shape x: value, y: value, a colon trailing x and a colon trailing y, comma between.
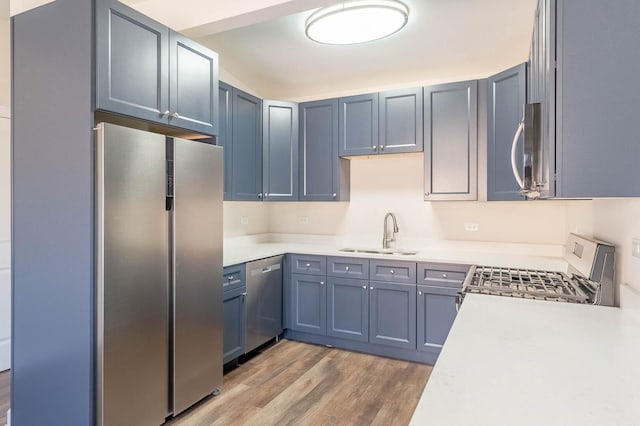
x: 308, y: 265
x: 346, y: 268
x: 321, y: 282
x: 364, y: 286
x: 392, y: 272
x: 444, y: 275
x: 371, y: 288
x: 230, y: 277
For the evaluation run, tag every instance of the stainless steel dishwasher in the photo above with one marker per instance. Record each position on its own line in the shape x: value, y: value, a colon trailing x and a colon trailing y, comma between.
x: 264, y: 301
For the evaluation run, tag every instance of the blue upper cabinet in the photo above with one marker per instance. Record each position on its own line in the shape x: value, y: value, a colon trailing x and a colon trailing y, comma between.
x: 129, y: 82
x: 358, y: 124
x: 400, y: 123
x: 451, y: 141
x: 506, y: 96
x: 225, y: 135
x: 246, y: 165
x: 280, y: 151
x: 144, y: 70
x: 193, y: 98
x: 324, y: 176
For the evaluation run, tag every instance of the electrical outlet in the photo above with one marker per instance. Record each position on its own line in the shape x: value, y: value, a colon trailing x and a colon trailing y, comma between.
x: 244, y: 220
x: 635, y: 247
x: 471, y: 227
x: 303, y: 220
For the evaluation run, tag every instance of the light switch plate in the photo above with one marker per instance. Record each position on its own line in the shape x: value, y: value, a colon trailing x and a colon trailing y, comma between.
x: 244, y: 220
x: 471, y: 227
x: 635, y: 247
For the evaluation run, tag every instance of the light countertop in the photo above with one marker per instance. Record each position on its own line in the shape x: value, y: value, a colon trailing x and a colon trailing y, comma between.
x: 511, y: 361
x: 241, y: 250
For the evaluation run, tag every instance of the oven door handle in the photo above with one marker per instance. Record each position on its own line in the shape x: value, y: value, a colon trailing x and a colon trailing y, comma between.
x: 514, y: 149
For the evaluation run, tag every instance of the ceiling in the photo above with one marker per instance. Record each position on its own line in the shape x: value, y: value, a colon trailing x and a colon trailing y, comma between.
x: 264, y: 49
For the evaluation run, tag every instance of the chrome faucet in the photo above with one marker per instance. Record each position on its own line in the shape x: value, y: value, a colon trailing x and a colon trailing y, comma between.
x: 386, y: 239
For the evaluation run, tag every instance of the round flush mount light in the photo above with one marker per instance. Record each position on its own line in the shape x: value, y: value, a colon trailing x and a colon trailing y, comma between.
x: 357, y: 21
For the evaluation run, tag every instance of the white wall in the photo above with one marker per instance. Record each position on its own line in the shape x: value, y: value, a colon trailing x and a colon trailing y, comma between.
x: 395, y: 183
x: 5, y: 189
x: 245, y: 218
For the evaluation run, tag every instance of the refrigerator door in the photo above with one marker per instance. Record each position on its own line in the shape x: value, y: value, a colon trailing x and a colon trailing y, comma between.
x: 197, y: 289
x: 132, y: 278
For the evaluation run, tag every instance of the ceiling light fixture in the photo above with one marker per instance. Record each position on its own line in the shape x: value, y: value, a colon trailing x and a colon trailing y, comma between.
x: 357, y: 21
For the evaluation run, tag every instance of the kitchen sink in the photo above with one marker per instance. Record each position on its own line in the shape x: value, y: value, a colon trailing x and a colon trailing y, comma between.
x: 397, y: 252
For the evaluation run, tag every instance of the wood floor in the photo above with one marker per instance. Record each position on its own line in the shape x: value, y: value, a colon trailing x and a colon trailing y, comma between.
x: 5, y: 385
x: 293, y: 383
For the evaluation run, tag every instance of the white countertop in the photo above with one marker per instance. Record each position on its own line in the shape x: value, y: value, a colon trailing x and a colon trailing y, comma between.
x: 510, y: 361
x: 241, y: 250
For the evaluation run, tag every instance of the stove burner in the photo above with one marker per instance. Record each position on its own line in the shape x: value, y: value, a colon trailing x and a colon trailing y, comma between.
x: 532, y: 284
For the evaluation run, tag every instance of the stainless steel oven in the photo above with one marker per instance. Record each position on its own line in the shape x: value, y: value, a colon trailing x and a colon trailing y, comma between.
x: 589, y: 278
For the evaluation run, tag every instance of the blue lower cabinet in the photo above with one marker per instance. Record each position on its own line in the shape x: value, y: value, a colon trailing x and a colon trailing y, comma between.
x: 392, y: 314
x: 348, y: 308
x: 309, y: 304
x: 436, y: 312
x: 233, y: 308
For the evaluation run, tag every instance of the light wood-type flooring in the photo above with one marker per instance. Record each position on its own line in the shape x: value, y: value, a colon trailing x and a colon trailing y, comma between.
x: 292, y: 383
x: 5, y: 384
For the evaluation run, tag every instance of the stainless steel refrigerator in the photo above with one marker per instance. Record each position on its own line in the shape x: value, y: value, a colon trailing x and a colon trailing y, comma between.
x: 159, y: 272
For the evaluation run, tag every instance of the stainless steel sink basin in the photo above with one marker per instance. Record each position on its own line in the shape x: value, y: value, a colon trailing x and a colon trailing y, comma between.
x: 397, y: 252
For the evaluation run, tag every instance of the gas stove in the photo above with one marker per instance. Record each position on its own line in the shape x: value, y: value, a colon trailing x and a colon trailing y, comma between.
x: 588, y: 280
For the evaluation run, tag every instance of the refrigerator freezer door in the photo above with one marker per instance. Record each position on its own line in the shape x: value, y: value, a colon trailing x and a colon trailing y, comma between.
x: 132, y: 278
x: 197, y: 289
x: 264, y: 301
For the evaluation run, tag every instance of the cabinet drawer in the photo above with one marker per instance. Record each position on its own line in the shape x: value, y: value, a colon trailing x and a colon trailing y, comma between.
x: 233, y: 277
x: 308, y: 264
x: 393, y: 271
x: 442, y: 275
x: 350, y: 267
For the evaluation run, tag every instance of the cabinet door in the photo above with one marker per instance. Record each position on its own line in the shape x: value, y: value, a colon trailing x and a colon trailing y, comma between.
x: 309, y: 304
x: 436, y: 313
x: 280, y: 151
x: 392, y: 314
x: 358, y: 124
x: 348, y: 308
x: 506, y: 96
x: 401, y: 121
x: 233, y: 308
x: 451, y: 141
x: 319, y: 161
x: 225, y: 134
x: 132, y: 63
x: 193, y: 76
x: 246, y: 168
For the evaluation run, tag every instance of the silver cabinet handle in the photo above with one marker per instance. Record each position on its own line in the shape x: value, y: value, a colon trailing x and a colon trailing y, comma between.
x: 260, y: 195
x: 426, y: 194
x: 381, y: 147
x: 419, y: 293
x: 321, y: 282
x: 392, y: 271
x: 230, y: 277
x: 244, y: 294
x: 371, y: 288
x: 444, y: 275
x: 166, y: 113
x: 373, y: 147
x: 335, y: 195
x: 364, y: 286
x: 346, y: 268
x: 175, y: 115
x: 308, y: 265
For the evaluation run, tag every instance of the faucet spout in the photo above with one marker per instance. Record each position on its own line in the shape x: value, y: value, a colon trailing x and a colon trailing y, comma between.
x: 386, y: 237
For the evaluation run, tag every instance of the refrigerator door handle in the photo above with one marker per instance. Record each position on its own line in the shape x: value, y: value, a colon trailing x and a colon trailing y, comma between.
x: 514, y: 162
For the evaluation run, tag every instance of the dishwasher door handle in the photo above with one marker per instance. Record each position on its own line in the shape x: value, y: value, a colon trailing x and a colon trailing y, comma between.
x: 267, y: 269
